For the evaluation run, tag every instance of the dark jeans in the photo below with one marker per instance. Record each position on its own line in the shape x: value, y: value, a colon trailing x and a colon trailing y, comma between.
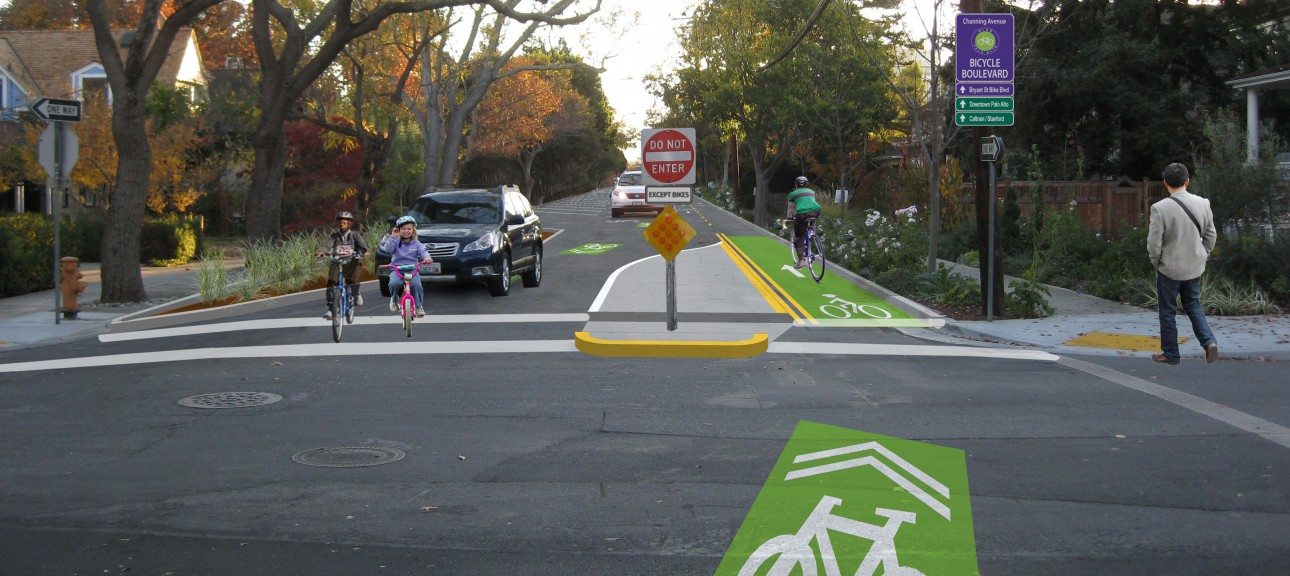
x: 1167, y: 292
x: 351, y: 280
x: 800, y: 223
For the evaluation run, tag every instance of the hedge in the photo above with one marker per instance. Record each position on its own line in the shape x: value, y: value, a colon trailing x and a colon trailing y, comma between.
x: 27, y: 245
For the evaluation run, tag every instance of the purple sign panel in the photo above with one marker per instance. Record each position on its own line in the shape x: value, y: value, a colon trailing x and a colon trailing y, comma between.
x: 984, y: 50
x: 968, y: 90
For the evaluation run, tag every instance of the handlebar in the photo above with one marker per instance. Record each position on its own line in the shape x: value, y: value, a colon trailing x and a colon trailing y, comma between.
x: 335, y: 258
x: 401, y: 267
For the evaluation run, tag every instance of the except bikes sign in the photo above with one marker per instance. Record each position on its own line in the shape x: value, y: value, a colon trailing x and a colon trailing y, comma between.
x: 854, y: 502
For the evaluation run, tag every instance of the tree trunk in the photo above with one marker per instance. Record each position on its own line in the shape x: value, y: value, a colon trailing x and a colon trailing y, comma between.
x: 761, y: 195
x: 264, y: 206
x: 264, y: 198
x: 122, y: 278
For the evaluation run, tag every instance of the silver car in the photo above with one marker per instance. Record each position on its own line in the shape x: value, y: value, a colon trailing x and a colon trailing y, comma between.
x: 629, y: 195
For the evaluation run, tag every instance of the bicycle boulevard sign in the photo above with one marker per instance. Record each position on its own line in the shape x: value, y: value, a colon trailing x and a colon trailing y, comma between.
x: 855, y: 502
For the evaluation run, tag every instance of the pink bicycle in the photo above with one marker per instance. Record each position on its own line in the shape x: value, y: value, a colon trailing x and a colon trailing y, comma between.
x: 407, y: 303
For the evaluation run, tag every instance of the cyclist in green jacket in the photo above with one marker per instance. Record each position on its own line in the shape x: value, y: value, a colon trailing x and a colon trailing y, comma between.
x: 801, y: 208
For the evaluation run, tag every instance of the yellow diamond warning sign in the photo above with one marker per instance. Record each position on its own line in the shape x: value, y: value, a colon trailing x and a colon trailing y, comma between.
x: 669, y: 233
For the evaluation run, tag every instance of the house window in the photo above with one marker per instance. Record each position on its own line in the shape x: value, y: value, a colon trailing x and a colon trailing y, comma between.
x: 96, y: 89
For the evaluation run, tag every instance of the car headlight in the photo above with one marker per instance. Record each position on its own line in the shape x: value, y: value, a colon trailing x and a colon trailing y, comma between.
x: 486, y: 242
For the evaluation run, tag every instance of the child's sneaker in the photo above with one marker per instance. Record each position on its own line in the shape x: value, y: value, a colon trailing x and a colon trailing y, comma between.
x: 359, y: 301
x: 421, y: 312
x: 394, y: 305
x: 327, y: 316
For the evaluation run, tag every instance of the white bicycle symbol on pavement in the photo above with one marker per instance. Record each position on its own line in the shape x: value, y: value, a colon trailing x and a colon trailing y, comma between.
x: 842, y: 308
x: 794, y: 550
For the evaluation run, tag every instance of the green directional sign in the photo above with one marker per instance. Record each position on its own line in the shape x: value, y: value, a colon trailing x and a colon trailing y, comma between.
x: 854, y: 502
x: 593, y: 248
x: 983, y: 118
x: 983, y: 104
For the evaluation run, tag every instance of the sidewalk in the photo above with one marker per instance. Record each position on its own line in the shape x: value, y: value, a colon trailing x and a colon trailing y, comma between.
x: 1084, y: 324
x: 29, y: 319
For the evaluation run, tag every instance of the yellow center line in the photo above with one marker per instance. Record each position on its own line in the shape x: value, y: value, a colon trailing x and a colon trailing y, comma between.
x: 765, y: 277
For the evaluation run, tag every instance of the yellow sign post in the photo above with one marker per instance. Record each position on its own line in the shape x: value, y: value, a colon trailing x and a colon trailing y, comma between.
x: 669, y: 234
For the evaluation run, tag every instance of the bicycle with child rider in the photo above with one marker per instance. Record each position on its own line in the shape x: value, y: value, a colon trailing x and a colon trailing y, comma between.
x: 405, y: 249
x: 346, y: 248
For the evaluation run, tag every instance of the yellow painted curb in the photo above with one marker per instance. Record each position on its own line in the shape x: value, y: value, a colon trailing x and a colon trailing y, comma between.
x: 594, y: 346
x: 1117, y: 341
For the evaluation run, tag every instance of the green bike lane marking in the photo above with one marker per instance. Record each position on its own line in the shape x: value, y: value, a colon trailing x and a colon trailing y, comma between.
x: 833, y: 301
x: 856, y: 501
x: 592, y: 248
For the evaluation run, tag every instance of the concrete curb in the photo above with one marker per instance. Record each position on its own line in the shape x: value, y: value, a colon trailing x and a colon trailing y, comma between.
x: 754, y: 346
x: 155, y: 317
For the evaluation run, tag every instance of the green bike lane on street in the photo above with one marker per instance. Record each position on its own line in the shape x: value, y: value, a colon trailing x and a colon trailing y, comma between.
x: 834, y: 301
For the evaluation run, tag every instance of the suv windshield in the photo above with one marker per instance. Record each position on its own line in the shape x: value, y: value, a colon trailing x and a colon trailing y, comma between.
x: 456, y: 209
x: 630, y: 179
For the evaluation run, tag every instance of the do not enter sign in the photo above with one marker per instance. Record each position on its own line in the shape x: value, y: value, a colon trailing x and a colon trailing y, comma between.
x: 667, y: 156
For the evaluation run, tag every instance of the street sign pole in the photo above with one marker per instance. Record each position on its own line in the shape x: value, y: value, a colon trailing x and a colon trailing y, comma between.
x: 56, y: 198
x: 991, y: 151
x: 671, y: 295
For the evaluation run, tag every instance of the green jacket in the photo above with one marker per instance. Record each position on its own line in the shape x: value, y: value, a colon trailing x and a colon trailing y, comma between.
x: 804, y: 201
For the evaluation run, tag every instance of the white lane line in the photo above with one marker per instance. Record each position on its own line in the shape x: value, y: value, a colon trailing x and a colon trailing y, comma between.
x: 907, y: 350
x: 1252, y: 424
x: 609, y: 283
x: 284, y: 323
x: 298, y: 350
x: 490, y: 347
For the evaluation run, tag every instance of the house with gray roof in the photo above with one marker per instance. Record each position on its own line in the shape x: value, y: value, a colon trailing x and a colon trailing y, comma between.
x: 65, y: 64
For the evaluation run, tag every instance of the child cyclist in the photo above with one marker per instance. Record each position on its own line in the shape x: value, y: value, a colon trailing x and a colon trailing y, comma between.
x: 801, y: 207
x: 404, y: 248
x: 348, y: 245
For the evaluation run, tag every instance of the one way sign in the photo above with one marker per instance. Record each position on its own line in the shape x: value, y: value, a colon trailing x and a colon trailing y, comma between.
x: 60, y: 110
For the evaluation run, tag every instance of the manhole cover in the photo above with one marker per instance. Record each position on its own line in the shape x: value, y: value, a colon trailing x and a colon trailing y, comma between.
x: 348, y: 456
x: 230, y: 400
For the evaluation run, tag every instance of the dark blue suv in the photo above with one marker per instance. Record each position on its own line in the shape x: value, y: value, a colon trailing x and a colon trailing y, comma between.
x: 484, y: 235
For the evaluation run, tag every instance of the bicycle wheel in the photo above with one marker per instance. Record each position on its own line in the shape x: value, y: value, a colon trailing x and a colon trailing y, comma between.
x: 408, y: 310
x: 817, y: 259
x: 337, y: 305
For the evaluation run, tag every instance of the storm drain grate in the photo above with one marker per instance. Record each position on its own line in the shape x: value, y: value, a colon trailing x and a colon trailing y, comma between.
x: 230, y: 400
x: 348, y: 456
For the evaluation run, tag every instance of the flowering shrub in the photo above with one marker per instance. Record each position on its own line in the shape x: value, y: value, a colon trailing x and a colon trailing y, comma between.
x: 877, y: 244
x: 721, y: 196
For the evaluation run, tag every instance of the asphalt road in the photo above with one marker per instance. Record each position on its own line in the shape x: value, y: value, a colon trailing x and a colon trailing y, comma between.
x: 565, y: 463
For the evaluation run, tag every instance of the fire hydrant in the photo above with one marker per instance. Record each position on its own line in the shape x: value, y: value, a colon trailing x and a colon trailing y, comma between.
x: 69, y: 282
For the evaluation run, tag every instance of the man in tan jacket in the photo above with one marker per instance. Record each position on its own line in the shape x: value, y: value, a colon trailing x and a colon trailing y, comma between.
x: 1179, y: 240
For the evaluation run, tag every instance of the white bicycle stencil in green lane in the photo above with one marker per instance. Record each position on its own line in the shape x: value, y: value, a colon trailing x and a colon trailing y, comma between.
x: 843, y: 501
x: 835, y: 300
x: 591, y: 249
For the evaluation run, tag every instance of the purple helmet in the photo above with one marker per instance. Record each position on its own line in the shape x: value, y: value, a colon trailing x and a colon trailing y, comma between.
x: 801, y: 181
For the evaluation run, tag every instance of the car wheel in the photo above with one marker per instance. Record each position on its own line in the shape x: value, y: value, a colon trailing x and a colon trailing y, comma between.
x: 615, y: 212
x: 502, y: 285
x: 384, y: 282
x: 533, y: 277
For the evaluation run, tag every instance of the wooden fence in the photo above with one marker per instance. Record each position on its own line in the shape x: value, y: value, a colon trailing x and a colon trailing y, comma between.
x: 1103, y: 206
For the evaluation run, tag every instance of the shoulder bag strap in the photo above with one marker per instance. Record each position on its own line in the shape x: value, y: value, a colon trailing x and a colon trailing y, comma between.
x: 1193, y: 218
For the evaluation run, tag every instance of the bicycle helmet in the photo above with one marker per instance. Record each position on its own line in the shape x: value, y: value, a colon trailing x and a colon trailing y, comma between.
x: 801, y: 181
x: 405, y: 220
x: 345, y: 215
